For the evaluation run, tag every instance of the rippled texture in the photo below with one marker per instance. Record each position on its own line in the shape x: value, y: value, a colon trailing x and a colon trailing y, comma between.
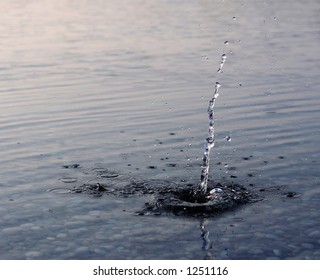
x: 124, y: 85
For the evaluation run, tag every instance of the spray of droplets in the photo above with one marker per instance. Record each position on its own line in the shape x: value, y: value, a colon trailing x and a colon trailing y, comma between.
x: 210, y: 141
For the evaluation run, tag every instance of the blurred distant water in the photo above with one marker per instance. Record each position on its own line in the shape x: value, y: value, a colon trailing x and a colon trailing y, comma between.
x: 125, y: 85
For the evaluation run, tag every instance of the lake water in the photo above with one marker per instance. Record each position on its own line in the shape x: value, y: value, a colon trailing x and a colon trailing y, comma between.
x: 124, y: 86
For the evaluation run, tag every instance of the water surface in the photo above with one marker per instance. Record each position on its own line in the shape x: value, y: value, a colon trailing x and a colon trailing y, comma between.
x: 124, y: 86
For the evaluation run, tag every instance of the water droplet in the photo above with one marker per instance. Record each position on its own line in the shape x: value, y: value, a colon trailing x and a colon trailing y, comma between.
x: 152, y: 167
x: 223, y: 60
x: 75, y: 165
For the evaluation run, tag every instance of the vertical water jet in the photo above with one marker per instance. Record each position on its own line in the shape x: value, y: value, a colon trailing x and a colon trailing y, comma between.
x: 201, y: 192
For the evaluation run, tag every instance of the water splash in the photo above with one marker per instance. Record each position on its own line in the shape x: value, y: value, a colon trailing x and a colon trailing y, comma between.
x: 201, y: 192
x: 168, y: 197
x: 209, y: 144
x: 223, y: 60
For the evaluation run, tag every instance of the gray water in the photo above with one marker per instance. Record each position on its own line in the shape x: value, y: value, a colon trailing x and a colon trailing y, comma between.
x: 124, y: 86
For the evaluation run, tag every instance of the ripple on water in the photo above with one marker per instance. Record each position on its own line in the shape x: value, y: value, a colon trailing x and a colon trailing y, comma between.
x: 59, y: 190
x: 168, y: 197
x: 68, y: 180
